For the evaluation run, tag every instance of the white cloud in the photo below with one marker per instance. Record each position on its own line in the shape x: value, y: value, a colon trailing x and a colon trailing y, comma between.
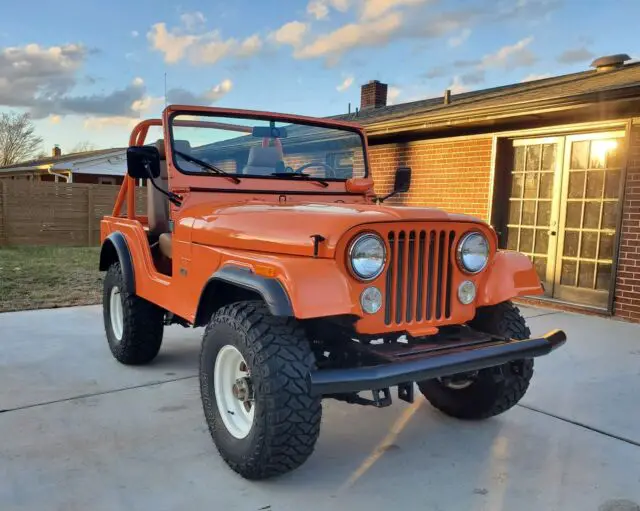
x: 346, y: 83
x: 457, y: 87
x: 55, y: 119
x: 138, y: 82
x: 135, y: 33
x: 392, y: 95
x: 332, y: 45
x: 206, y: 48
x: 319, y: 9
x: 510, y: 56
x: 173, y: 45
x: 291, y: 33
x: 193, y: 20
x: 147, y: 104
x: 218, y: 91
x: 373, y: 9
x: 532, y: 77
x: 100, y: 123
x: 458, y: 40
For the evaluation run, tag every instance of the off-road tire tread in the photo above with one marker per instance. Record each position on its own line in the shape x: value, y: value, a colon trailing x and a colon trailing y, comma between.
x: 289, y: 423
x: 509, y: 382
x: 143, y: 323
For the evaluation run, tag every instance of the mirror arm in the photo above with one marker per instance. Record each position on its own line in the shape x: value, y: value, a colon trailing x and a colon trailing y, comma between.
x: 380, y: 200
x: 173, y: 197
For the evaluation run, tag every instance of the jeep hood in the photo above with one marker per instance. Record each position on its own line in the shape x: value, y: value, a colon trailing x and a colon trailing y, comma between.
x: 288, y: 229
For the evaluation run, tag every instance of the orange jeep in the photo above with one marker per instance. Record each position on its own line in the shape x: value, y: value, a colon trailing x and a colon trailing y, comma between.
x: 265, y: 229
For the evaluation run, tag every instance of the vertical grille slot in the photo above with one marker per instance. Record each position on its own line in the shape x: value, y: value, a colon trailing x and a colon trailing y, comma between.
x: 419, y: 277
x: 400, y: 275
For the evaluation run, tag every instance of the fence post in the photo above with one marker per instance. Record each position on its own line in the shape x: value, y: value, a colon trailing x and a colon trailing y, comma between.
x: 4, y: 213
x: 90, y: 215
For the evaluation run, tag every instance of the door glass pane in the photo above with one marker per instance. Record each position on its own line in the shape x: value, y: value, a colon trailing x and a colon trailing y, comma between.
x: 526, y: 240
x: 606, y: 246
x: 571, y: 239
x: 574, y: 214
x: 586, y: 274
x: 546, y: 185
x: 595, y: 181
x: 603, y: 278
x: 568, y: 274
x: 512, y: 238
x: 589, y: 244
x: 516, y: 185
x: 542, y: 241
x: 531, y: 185
x: 591, y: 215
x: 540, y: 264
x: 528, y: 212
x: 576, y: 185
x: 580, y: 155
x: 514, y: 211
x: 518, y: 159
x: 612, y: 183
x: 604, y: 154
x: 544, y: 213
x: 533, y: 158
x: 548, y: 156
x: 609, y: 215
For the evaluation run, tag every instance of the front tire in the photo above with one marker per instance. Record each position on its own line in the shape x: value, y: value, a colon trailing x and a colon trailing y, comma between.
x: 134, y: 326
x: 490, y: 391
x: 256, y: 392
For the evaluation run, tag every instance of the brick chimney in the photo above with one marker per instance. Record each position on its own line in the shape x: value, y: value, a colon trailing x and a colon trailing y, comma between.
x: 373, y: 95
x: 56, y: 151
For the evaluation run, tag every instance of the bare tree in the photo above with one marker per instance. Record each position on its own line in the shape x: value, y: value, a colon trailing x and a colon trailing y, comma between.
x: 18, y: 141
x: 83, y: 147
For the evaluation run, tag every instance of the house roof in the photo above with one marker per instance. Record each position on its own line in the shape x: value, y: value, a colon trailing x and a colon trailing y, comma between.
x: 590, y: 85
x: 58, y: 160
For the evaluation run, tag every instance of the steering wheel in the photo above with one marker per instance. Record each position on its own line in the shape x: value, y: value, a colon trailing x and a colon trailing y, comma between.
x: 317, y: 164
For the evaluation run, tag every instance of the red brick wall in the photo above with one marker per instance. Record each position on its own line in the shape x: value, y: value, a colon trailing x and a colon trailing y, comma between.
x: 453, y: 175
x: 627, y: 300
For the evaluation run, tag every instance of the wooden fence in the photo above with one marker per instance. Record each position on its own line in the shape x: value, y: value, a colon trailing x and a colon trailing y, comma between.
x: 33, y: 213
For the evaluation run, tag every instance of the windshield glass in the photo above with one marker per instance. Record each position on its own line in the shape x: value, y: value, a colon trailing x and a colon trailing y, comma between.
x: 249, y: 148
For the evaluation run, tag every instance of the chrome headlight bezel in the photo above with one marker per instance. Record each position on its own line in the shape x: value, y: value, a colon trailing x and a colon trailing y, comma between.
x: 460, y: 256
x: 352, y: 246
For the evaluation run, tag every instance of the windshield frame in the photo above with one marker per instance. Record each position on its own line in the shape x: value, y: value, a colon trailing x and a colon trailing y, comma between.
x: 264, y: 116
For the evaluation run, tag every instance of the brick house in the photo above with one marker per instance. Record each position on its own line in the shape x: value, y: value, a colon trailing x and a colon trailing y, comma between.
x: 105, y: 166
x: 552, y: 164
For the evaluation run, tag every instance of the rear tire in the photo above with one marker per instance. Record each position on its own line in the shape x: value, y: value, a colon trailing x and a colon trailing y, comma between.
x: 275, y: 430
x: 134, y: 326
x: 490, y: 391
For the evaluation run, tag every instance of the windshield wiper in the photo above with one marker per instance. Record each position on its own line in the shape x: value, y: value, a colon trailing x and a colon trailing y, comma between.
x: 321, y: 182
x: 207, y: 166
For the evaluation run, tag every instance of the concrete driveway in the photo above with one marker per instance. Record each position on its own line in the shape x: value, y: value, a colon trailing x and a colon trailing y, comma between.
x: 78, y: 431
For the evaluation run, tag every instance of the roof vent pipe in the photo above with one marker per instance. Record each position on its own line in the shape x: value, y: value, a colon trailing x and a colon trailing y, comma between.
x: 610, y: 62
x: 447, y: 96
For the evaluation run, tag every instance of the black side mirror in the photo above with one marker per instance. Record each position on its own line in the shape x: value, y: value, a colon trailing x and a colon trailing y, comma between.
x: 143, y: 162
x: 403, y: 180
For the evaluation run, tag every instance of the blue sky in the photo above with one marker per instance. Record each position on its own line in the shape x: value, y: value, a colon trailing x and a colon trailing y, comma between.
x: 86, y: 71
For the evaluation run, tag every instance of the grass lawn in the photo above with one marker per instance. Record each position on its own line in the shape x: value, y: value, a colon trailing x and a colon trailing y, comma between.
x: 43, y: 277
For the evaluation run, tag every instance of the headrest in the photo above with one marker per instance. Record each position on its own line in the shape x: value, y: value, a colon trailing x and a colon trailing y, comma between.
x: 264, y: 156
x: 181, y: 145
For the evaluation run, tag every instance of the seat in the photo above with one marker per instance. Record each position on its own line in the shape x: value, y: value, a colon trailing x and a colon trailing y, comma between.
x: 264, y: 161
x: 158, y: 203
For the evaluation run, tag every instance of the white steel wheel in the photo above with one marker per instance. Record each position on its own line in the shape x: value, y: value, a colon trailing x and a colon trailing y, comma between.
x: 234, y: 391
x: 116, y: 312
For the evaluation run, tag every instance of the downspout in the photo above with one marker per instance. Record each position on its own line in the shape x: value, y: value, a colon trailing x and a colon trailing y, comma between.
x: 68, y: 178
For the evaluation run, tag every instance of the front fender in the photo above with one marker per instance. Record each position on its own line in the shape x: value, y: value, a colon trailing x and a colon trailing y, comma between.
x: 115, y: 248
x: 511, y: 274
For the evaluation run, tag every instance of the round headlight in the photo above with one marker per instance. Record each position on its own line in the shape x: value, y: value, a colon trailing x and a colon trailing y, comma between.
x: 366, y: 256
x: 371, y: 300
x: 473, y: 252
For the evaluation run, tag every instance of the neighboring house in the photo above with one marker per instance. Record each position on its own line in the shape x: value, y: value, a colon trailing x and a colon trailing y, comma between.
x: 106, y: 166
x: 552, y: 164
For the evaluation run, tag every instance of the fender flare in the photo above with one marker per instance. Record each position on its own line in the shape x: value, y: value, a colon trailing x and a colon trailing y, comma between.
x: 271, y: 290
x: 115, y: 248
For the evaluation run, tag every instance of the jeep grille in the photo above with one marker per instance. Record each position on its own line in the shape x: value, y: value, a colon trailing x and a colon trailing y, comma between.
x: 418, y: 279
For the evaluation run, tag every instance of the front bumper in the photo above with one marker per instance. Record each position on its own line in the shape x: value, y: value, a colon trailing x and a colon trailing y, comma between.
x: 416, y: 364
